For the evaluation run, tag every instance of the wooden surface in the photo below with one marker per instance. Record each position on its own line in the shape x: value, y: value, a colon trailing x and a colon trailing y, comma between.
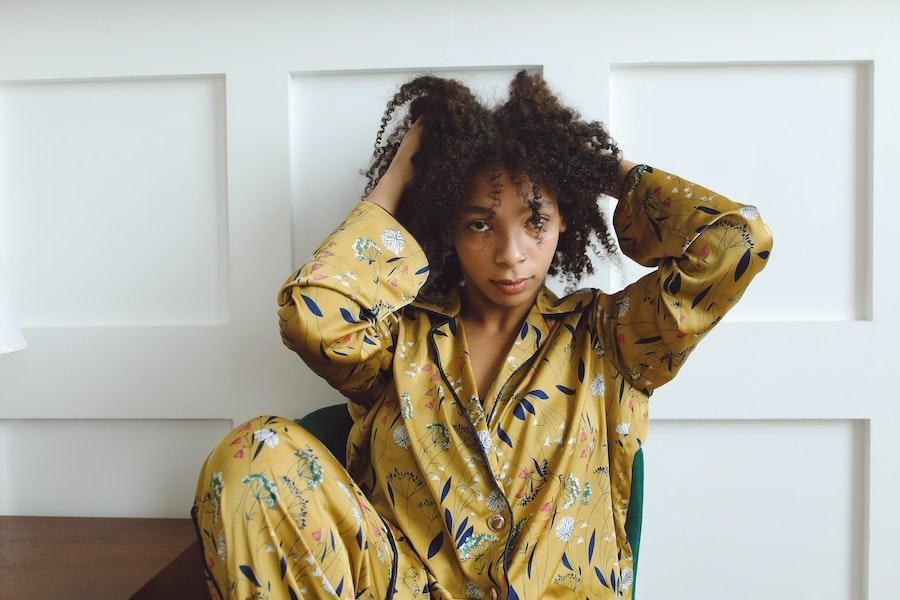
x: 98, y: 558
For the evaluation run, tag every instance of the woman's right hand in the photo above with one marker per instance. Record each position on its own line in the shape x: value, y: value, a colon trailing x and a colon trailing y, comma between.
x: 401, y: 165
x: 390, y: 186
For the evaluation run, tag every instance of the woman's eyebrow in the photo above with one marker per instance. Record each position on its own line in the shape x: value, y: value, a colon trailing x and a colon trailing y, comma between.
x: 474, y: 208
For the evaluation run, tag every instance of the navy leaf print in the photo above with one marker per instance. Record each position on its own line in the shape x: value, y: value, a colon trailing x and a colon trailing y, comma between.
x: 339, y: 588
x: 512, y: 594
x: 524, y: 331
x: 422, y: 270
x: 258, y: 448
x: 600, y: 577
x: 539, y: 393
x: 537, y: 335
x: 518, y: 412
x: 248, y: 573
x: 565, y: 561
x: 565, y: 390
x: 449, y: 519
x: 708, y: 210
x: 283, y: 566
x: 359, y: 538
x: 462, y: 527
x: 612, y: 578
x: 699, y: 298
x: 531, y: 558
x: 580, y: 370
x: 504, y: 437
x: 391, y: 494
x: 701, y: 229
x: 764, y: 254
x: 465, y: 536
x: 347, y: 316
x: 293, y: 594
x: 436, y: 544
x: 591, y: 546
x: 367, y: 340
x: 742, y: 265
x: 676, y: 284
x: 446, y: 489
x: 312, y: 306
x: 390, y: 260
x: 649, y: 340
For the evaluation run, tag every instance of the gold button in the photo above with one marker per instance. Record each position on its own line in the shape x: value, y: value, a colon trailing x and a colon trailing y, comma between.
x: 496, y: 522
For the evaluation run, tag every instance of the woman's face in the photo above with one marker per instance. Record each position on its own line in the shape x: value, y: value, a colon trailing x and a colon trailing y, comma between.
x: 497, y: 245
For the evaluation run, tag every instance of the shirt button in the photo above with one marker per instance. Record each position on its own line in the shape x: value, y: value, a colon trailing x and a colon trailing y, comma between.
x: 496, y: 521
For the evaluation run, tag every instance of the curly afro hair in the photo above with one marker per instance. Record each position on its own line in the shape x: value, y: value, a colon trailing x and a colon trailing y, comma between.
x: 537, y: 140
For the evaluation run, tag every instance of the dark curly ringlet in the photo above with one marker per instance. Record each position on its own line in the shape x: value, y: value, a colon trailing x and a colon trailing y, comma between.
x: 536, y: 139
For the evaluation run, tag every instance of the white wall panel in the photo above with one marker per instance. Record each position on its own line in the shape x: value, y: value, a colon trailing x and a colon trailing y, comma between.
x: 754, y: 509
x: 112, y: 200
x: 791, y: 136
x: 105, y: 467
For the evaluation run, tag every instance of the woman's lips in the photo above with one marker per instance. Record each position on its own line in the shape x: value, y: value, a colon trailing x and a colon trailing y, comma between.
x: 510, y: 286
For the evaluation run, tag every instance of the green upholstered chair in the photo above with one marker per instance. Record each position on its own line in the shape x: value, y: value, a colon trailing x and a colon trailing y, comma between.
x: 331, y: 426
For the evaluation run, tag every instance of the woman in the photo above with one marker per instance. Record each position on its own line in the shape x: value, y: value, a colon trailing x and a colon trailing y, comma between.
x: 495, y: 424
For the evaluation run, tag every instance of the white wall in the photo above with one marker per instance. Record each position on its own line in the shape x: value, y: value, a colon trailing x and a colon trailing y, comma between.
x: 162, y: 170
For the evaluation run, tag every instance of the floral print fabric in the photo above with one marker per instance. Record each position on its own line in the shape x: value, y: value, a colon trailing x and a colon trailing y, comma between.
x: 523, y: 493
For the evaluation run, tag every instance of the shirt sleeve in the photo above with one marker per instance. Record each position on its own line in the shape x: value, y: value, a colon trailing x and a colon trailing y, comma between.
x: 706, y: 249
x: 339, y: 310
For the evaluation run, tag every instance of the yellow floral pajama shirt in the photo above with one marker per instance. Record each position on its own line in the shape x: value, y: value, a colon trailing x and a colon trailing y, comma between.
x: 522, y: 494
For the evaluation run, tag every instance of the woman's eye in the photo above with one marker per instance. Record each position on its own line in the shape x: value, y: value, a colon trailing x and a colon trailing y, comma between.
x: 474, y: 226
x: 539, y: 221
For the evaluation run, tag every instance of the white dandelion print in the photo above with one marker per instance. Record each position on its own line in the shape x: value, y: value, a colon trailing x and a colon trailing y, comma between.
x: 622, y: 428
x: 626, y: 578
x: 496, y: 501
x: 266, y: 436
x: 220, y: 545
x: 484, y: 438
x: 565, y: 528
x: 393, y: 240
x: 598, y: 385
x: 749, y: 212
x: 622, y: 306
x: 401, y: 436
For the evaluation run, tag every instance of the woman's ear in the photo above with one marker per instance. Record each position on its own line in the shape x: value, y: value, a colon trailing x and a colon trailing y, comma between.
x: 562, y: 223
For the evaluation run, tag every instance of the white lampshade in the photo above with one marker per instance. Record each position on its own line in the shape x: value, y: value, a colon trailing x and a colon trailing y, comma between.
x: 11, y: 338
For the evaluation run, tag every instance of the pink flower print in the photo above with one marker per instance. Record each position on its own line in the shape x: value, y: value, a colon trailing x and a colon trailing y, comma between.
x: 246, y: 426
x: 523, y: 473
x: 317, y: 534
x: 405, y: 270
x: 583, y: 436
x: 239, y: 453
x: 435, y: 376
x: 704, y: 251
x: 656, y: 192
x: 583, y: 454
x: 427, y: 367
x: 315, y: 266
x: 620, y: 338
x: 546, y: 507
x: 394, y: 282
x: 429, y: 404
x: 520, y: 493
x: 667, y: 201
x: 237, y: 441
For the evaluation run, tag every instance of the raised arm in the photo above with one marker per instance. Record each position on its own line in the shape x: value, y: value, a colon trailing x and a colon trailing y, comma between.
x: 339, y: 311
x: 707, y: 249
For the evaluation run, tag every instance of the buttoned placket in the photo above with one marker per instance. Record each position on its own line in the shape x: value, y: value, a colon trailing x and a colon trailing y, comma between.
x: 493, y: 522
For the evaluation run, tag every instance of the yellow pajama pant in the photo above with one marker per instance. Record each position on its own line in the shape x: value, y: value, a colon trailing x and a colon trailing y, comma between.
x: 278, y: 516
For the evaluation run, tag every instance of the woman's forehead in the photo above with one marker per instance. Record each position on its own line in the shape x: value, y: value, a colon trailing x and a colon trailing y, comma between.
x: 485, y: 191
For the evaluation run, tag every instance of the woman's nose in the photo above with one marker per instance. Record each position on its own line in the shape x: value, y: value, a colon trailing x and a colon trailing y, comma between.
x: 510, y: 249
